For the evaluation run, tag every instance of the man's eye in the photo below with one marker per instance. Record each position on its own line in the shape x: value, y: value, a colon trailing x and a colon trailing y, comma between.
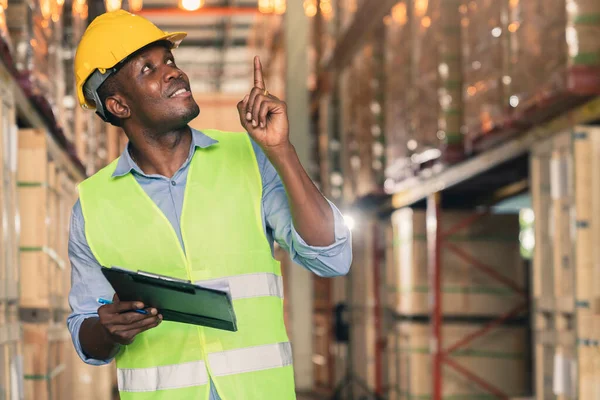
x: 145, y: 68
x: 170, y: 62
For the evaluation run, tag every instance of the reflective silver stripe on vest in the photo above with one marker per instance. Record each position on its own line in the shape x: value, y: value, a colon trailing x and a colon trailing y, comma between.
x: 249, y: 285
x: 250, y: 359
x: 162, y: 378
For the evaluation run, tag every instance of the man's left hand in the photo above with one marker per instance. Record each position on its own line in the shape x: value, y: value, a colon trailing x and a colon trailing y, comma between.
x: 263, y: 115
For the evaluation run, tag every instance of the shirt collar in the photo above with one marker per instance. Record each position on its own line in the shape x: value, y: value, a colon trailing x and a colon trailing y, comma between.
x: 126, y: 164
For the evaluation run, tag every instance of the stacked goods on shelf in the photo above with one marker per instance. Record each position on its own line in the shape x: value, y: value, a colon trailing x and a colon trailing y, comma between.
x: 398, y: 67
x: 537, y: 52
x: 88, y: 381
x: 565, y: 197
x: 322, y: 356
x: 483, y: 278
x: 493, y: 240
x: 9, y: 255
x: 36, y: 33
x: 497, y: 358
x: 362, y: 318
x: 338, y: 347
x: 563, y: 34
x: 47, y: 193
x: 423, y: 87
x: 423, y: 103
x: 45, y: 363
x: 584, y: 50
x: 322, y: 335
x: 11, y: 371
x: 327, y: 32
x: 484, y: 37
x: 347, y: 10
x: 39, y: 202
x: 525, y: 63
x: 53, y: 370
x: 75, y: 21
x: 450, y: 83
x: 358, y: 114
x: 5, y: 41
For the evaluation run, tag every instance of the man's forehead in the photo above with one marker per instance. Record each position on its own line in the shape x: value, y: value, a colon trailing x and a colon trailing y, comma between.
x: 158, y: 48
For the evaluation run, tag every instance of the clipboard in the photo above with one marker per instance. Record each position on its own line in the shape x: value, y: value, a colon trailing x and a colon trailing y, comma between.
x: 175, y: 299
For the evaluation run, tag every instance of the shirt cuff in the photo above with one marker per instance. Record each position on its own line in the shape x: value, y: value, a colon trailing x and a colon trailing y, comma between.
x: 74, y: 324
x: 341, y: 233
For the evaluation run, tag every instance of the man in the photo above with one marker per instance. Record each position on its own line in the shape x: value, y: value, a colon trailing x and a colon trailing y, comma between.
x: 200, y: 206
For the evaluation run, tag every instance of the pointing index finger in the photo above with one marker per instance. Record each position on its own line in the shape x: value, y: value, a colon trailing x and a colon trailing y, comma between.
x: 258, y: 75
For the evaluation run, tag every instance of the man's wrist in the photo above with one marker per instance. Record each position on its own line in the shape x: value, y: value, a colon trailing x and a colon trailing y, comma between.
x: 280, y: 154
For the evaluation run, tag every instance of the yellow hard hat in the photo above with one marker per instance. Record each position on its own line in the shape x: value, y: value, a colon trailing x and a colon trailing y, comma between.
x: 110, y: 39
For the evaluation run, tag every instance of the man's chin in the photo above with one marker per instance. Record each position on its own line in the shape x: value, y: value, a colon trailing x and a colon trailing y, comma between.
x: 187, y: 116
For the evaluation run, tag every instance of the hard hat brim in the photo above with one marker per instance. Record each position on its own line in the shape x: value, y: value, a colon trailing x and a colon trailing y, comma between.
x: 175, y: 37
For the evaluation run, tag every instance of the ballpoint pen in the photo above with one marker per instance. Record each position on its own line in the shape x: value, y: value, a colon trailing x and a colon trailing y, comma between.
x: 104, y: 302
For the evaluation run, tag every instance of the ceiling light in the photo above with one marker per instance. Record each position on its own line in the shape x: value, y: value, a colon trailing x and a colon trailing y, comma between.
x: 266, y: 6
x: 112, y: 5
x: 310, y: 8
x: 135, y: 5
x: 280, y: 6
x: 191, y: 5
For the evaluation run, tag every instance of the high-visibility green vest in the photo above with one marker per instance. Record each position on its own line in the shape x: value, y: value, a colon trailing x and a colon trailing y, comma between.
x: 223, y: 238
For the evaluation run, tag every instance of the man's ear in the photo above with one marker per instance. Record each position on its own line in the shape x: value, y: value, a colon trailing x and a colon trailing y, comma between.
x: 118, y: 107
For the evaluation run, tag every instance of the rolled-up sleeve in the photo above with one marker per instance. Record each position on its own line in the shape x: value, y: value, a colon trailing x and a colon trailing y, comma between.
x: 327, y: 261
x: 87, y: 283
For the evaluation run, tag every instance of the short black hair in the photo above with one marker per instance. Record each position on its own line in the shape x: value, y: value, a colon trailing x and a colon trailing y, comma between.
x: 109, y: 87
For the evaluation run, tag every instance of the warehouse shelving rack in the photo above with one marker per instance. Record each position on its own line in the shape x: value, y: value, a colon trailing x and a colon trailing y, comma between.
x: 29, y: 117
x: 504, y: 168
x: 481, y: 180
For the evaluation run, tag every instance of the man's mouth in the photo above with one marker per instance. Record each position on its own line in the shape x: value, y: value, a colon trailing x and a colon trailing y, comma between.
x: 183, y: 92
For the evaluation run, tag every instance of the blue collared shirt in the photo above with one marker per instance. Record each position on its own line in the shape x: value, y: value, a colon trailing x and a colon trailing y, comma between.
x: 88, y: 283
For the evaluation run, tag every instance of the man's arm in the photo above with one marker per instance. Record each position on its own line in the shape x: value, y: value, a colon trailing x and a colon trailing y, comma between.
x: 265, y: 118
x: 97, y: 333
x: 327, y: 261
x: 311, y: 213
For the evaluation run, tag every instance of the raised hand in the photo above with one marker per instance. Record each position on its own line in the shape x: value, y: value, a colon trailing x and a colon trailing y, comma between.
x: 263, y: 115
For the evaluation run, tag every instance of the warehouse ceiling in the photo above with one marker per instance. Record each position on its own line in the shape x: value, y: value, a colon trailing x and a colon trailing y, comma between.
x: 217, y: 53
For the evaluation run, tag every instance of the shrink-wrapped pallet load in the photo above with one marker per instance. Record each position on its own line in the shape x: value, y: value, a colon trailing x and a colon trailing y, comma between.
x: 450, y: 83
x: 526, y: 62
x: 347, y: 9
x: 537, y: 51
x: 423, y: 103
x: 398, y: 78
x: 483, y: 38
x: 11, y: 362
x: 498, y: 358
x: 565, y: 193
x: 36, y: 34
x: 583, y: 30
x: 358, y: 117
x: 466, y: 290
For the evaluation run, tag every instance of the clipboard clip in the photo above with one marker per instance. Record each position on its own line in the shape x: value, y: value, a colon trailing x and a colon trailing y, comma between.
x: 162, y: 277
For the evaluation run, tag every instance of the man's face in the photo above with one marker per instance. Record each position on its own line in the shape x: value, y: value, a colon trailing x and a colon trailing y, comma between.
x: 157, y: 91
